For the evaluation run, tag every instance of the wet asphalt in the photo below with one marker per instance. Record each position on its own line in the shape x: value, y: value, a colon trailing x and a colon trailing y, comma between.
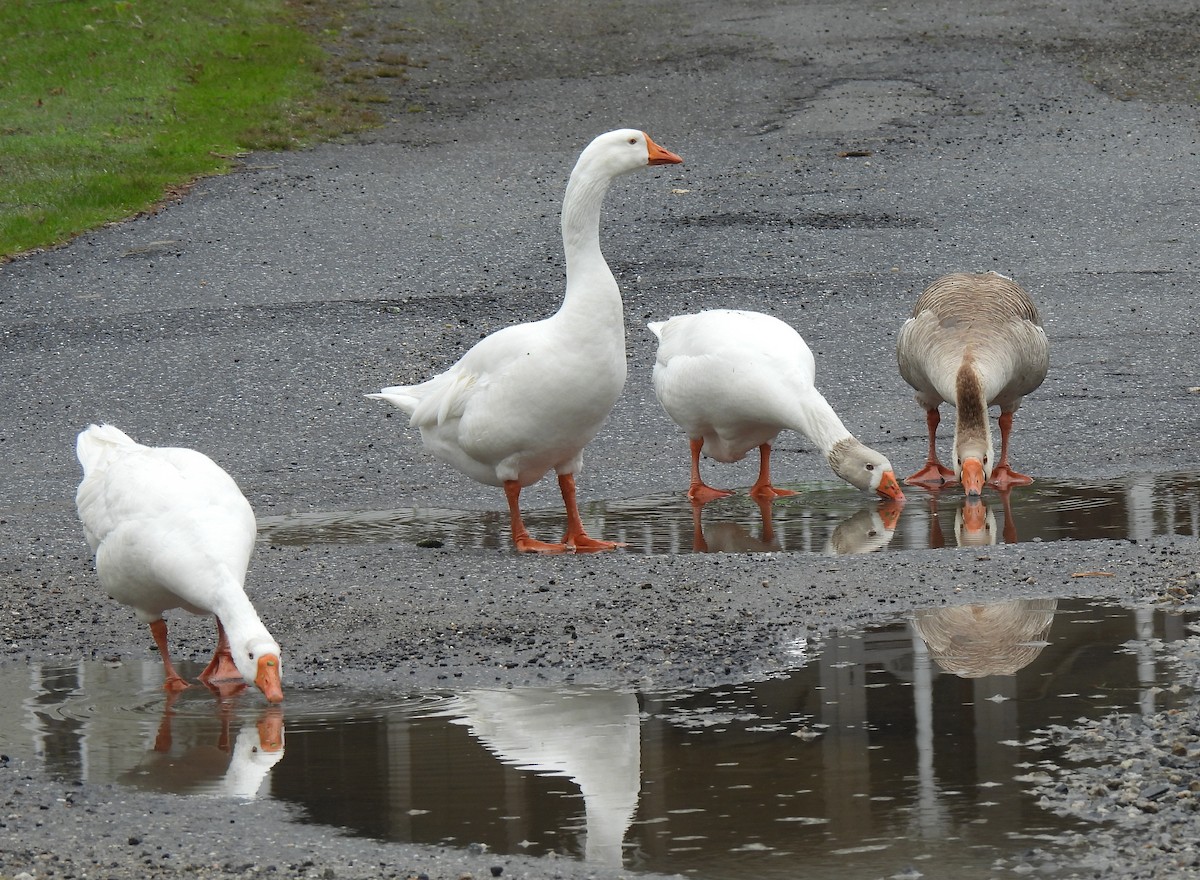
x: 838, y: 157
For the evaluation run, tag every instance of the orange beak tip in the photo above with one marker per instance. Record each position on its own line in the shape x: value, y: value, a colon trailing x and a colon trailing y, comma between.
x: 656, y: 155
x: 889, y: 487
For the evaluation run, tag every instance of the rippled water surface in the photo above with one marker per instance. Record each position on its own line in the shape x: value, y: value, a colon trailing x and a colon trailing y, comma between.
x: 829, y: 518
x: 905, y: 748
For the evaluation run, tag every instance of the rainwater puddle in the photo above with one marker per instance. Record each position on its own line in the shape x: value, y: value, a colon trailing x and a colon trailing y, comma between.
x: 901, y: 749
x: 827, y: 518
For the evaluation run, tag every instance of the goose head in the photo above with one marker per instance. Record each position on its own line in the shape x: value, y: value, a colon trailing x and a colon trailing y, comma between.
x: 973, y: 460
x: 864, y: 468
x: 257, y: 659
x: 619, y: 152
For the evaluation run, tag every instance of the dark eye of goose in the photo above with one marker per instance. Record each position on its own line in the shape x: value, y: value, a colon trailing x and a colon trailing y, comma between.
x: 251, y: 655
x: 870, y: 467
x: 633, y: 140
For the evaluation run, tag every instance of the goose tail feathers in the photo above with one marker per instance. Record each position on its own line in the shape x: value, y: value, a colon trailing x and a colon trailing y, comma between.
x: 398, y: 396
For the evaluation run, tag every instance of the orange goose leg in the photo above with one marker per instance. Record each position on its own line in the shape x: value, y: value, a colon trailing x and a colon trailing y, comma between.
x: 174, y: 681
x: 762, y: 488
x: 1003, y: 476
x: 520, y: 535
x: 699, y: 491
x: 934, y: 472
x: 576, y: 537
x: 221, y: 667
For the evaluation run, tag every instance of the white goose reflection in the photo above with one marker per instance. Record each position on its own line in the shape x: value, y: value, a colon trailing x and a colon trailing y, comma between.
x: 589, y: 736
x: 869, y: 530
x: 198, y: 760
x: 101, y: 722
x: 865, y: 531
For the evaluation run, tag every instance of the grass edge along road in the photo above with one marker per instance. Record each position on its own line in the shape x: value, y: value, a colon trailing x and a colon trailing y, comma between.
x: 105, y: 108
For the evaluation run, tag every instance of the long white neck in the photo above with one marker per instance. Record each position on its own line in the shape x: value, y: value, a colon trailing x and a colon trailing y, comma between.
x: 592, y: 293
x: 818, y: 422
x: 242, y: 624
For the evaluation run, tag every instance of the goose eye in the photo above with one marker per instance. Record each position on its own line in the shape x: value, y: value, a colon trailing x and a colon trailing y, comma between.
x: 870, y: 467
x: 251, y: 655
x: 985, y: 459
x: 633, y: 140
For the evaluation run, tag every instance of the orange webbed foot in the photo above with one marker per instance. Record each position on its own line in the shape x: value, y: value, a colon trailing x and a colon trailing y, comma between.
x: 527, y: 544
x: 1004, y: 477
x: 767, y: 492
x: 581, y: 543
x: 933, y: 474
x: 220, y: 668
x: 701, y: 493
x: 173, y: 684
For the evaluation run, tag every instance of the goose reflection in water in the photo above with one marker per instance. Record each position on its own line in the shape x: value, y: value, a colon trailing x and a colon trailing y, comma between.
x: 199, y: 760
x: 1000, y: 638
x: 974, y: 521
x: 589, y: 736
x: 725, y: 536
x: 866, y: 531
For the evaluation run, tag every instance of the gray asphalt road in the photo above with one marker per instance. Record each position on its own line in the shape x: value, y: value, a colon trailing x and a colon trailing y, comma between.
x: 1057, y: 145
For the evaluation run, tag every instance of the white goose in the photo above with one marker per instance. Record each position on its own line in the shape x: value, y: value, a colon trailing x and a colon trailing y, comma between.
x: 975, y: 341
x: 734, y: 379
x: 171, y: 529
x: 530, y: 397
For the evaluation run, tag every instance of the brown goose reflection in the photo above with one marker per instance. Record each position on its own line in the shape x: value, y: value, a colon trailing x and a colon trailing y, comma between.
x: 999, y: 638
x: 974, y: 521
x: 201, y: 760
x: 589, y: 736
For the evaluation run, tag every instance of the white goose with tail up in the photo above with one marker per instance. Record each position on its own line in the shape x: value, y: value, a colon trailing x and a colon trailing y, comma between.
x: 171, y: 529
x: 734, y: 379
x: 528, y: 398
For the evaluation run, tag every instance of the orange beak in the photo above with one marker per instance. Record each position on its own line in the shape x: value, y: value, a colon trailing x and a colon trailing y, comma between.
x: 974, y: 515
x: 268, y: 680
x: 889, y: 487
x: 972, y: 476
x: 659, y: 156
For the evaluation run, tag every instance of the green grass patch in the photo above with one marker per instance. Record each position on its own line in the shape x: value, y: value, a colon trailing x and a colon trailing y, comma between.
x: 107, y: 106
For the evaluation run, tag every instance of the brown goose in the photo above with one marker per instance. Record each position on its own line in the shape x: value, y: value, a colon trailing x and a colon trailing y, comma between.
x: 975, y: 341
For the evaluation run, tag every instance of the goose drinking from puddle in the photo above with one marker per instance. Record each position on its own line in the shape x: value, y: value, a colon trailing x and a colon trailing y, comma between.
x: 171, y: 529
x: 528, y: 398
x: 733, y: 380
x: 974, y: 340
